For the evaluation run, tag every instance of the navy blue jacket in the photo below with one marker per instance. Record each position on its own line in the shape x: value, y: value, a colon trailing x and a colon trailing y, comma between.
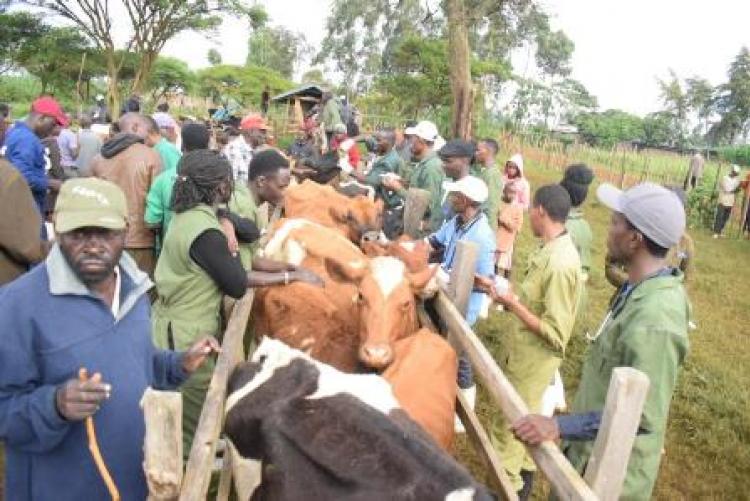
x: 26, y: 152
x: 50, y: 326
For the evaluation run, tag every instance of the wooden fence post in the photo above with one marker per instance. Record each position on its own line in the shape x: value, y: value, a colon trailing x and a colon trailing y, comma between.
x: 462, y: 274
x: 565, y: 481
x: 203, y: 451
x: 415, y: 207
x: 162, y: 445
x: 606, y: 469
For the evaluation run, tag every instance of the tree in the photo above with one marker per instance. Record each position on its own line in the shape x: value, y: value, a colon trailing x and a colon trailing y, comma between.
x: 609, y: 128
x: 17, y: 30
x: 56, y: 58
x: 277, y: 48
x: 151, y: 25
x: 363, y: 34
x: 553, y: 53
x: 658, y: 129
x: 169, y: 75
x: 677, y: 106
x: 700, y: 96
x: 243, y: 83
x: 733, y: 101
x: 214, y: 57
x: 315, y: 75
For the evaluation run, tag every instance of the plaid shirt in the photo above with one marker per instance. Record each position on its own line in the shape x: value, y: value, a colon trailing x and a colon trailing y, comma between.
x: 239, y: 154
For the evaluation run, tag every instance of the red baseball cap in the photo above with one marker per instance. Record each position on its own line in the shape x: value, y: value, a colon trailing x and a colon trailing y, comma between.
x: 254, y: 121
x: 49, y: 106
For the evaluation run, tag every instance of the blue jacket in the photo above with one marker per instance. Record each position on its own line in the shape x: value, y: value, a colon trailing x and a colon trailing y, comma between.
x: 25, y: 151
x: 50, y: 326
x: 476, y: 230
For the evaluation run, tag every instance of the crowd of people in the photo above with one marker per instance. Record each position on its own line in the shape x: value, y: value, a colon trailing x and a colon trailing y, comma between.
x: 117, y: 260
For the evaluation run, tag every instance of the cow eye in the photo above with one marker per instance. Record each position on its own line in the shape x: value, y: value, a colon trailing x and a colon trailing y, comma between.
x: 361, y: 298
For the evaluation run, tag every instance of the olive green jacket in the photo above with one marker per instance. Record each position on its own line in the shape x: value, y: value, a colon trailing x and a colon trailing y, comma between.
x: 493, y: 178
x: 428, y: 175
x: 390, y: 162
x: 550, y: 290
x: 188, y: 303
x: 647, y: 332
x: 243, y: 204
x: 580, y: 233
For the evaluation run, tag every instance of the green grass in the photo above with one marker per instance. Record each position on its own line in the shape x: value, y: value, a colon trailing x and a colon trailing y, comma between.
x: 707, y: 453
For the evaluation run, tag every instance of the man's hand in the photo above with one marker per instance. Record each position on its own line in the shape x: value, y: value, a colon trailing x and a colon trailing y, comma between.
x: 197, y: 354
x: 534, y: 429
x: 393, y: 183
x: 78, y: 399
x: 228, y: 228
x: 307, y: 276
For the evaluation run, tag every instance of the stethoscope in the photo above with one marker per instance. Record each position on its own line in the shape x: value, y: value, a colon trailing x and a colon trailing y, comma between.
x: 620, y: 301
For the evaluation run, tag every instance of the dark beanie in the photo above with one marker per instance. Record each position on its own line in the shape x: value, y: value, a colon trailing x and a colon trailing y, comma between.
x: 195, y: 136
x: 266, y: 162
x: 576, y: 181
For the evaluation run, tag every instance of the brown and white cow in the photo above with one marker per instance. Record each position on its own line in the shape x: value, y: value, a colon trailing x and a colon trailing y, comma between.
x: 352, y: 216
x: 363, y: 318
x: 322, y: 434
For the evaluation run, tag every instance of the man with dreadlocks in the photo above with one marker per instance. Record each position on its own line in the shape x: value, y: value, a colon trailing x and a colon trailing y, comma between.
x: 196, y: 268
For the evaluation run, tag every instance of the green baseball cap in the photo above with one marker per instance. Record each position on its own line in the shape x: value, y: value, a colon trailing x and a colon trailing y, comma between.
x: 90, y: 201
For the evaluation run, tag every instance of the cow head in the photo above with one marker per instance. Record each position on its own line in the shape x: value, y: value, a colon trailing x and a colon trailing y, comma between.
x: 387, y: 308
x: 358, y: 216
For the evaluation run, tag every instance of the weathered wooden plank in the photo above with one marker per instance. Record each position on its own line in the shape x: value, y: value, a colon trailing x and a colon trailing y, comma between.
x: 606, y: 469
x: 565, y: 481
x: 484, y: 448
x: 462, y: 275
x: 225, y: 479
x: 415, y: 207
x: 162, y: 445
x: 200, y: 463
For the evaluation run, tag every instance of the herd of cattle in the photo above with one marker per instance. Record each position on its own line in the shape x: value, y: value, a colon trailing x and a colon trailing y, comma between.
x: 347, y: 397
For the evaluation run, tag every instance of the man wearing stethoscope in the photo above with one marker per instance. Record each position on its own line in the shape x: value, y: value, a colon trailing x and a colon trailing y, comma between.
x: 645, y: 328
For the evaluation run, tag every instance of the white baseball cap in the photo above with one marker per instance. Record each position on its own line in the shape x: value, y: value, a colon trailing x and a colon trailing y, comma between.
x: 473, y: 187
x: 424, y: 129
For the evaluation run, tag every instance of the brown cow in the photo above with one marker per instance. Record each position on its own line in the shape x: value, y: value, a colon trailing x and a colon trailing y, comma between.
x: 322, y: 204
x: 364, y: 315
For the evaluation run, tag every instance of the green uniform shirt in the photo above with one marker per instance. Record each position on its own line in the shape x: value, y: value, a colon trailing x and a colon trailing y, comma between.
x: 428, y: 175
x: 494, y: 180
x: 390, y: 162
x: 243, y: 204
x: 331, y: 115
x: 550, y: 290
x: 159, y: 198
x: 649, y: 333
x: 580, y: 233
x: 188, y: 306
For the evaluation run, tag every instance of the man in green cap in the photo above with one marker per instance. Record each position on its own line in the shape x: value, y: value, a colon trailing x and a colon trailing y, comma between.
x: 77, y: 344
x: 645, y: 328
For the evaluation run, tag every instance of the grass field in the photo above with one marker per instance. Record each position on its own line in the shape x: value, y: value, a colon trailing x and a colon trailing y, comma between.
x: 708, y: 443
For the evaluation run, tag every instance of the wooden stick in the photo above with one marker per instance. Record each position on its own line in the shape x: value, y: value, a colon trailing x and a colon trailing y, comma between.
x: 608, y: 464
x: 94, y: 448
x: 415, y: 206
x: 484, y: 448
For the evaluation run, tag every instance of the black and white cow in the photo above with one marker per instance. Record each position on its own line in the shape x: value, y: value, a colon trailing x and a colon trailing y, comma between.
x: 325, y: 435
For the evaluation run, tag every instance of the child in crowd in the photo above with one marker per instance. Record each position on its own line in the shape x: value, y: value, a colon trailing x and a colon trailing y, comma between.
x: 509, y: 222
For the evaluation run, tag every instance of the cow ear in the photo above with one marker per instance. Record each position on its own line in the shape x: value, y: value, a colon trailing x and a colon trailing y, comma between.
x: 340, y: 272
x: 420, y: 279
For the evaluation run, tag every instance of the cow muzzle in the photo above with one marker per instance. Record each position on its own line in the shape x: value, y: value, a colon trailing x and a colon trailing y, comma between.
x: 377, y: 356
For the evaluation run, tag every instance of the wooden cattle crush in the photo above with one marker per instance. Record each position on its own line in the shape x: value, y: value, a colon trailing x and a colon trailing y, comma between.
x: 602, y: 480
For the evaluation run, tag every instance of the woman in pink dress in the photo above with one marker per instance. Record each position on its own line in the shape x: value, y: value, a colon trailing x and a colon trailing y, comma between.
x: 514, y: 175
